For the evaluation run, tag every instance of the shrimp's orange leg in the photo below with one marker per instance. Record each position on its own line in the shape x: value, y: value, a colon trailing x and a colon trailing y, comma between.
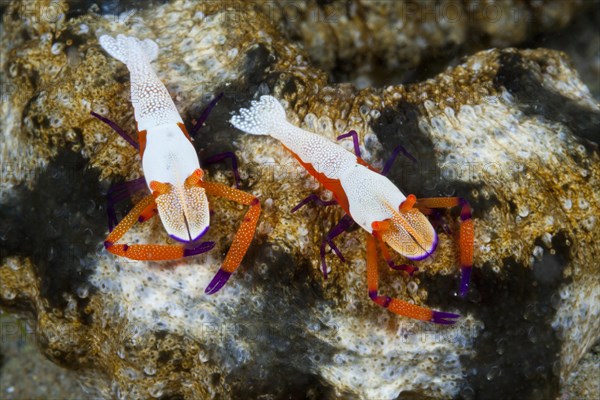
x: 466, y: 235
x: 242, y: 238
x: 148, y: 212
x: 155, y: 252
x: 397, y: 306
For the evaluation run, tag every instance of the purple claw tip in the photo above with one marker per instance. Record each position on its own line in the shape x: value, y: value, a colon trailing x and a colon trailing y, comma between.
x: 107, y: 244
x: 444, y: 318
x: 201, y: 234
x: 217, y: 282
x: 203, y: 248
x: 465, y: 281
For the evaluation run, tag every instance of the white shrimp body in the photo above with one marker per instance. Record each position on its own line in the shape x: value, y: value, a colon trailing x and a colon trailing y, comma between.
x: 365, y: 195
x: 168, y: 156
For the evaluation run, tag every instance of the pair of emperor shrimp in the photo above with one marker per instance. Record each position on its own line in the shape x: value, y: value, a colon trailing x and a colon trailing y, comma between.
x: 178, y: 192
x: 171, y: 171
x: 369, y: 199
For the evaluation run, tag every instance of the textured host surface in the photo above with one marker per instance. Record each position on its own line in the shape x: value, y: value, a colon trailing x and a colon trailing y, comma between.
x: 91, y: 311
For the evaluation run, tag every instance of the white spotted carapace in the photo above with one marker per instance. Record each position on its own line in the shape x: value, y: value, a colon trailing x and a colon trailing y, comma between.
x: 168, y: 156
x: 367, y: 196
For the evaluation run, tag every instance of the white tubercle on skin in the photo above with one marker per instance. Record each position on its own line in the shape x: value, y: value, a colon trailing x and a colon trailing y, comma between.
x: 151, y: 101
x: 267, y: 117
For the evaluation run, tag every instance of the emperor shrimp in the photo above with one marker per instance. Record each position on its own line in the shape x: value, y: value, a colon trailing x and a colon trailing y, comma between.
x: 369, y: 199
x: 172, y: 172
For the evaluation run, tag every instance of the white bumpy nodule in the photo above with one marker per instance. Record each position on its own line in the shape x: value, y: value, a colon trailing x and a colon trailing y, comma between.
x: 129, y: 50
x: 264, y: 117
x: 151, y: 101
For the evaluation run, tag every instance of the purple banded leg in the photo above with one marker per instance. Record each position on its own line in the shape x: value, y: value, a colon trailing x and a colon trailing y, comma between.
x: 466, y: 241
x: 117, y: 129
x: 466, y: 235
x: 234, y: 164
x: 118, y: 193
x: 399, y: 149
x: 204, y: 115
x: 316, y: 199
x: 398, y: 306
x: 354, y: 140
x: 342, y: 226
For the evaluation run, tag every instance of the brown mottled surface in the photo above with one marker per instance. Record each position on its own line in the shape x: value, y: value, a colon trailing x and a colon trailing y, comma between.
x: 513, y: 131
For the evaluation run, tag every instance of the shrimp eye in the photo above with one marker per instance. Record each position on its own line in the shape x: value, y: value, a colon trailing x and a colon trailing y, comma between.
x: 194, y: 178
x: 408, y: 203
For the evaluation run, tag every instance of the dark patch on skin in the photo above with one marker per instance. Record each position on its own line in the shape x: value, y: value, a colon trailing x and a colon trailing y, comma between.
x: 399, y: 126
x: 217, y: 134
x: 171, y: 397
x: 518, y: 348
x: 215, y: 379
x: 534, y: 99
x: 164, y: 356
x: 257, y: 62
x: 291, y: 86
x: 324, y: 3
x: 59, y: 225
x: 121, y: 75
x: 71, y: 39
x: 34, y: 78
x: 283, y: 349
x: 160, y: 335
